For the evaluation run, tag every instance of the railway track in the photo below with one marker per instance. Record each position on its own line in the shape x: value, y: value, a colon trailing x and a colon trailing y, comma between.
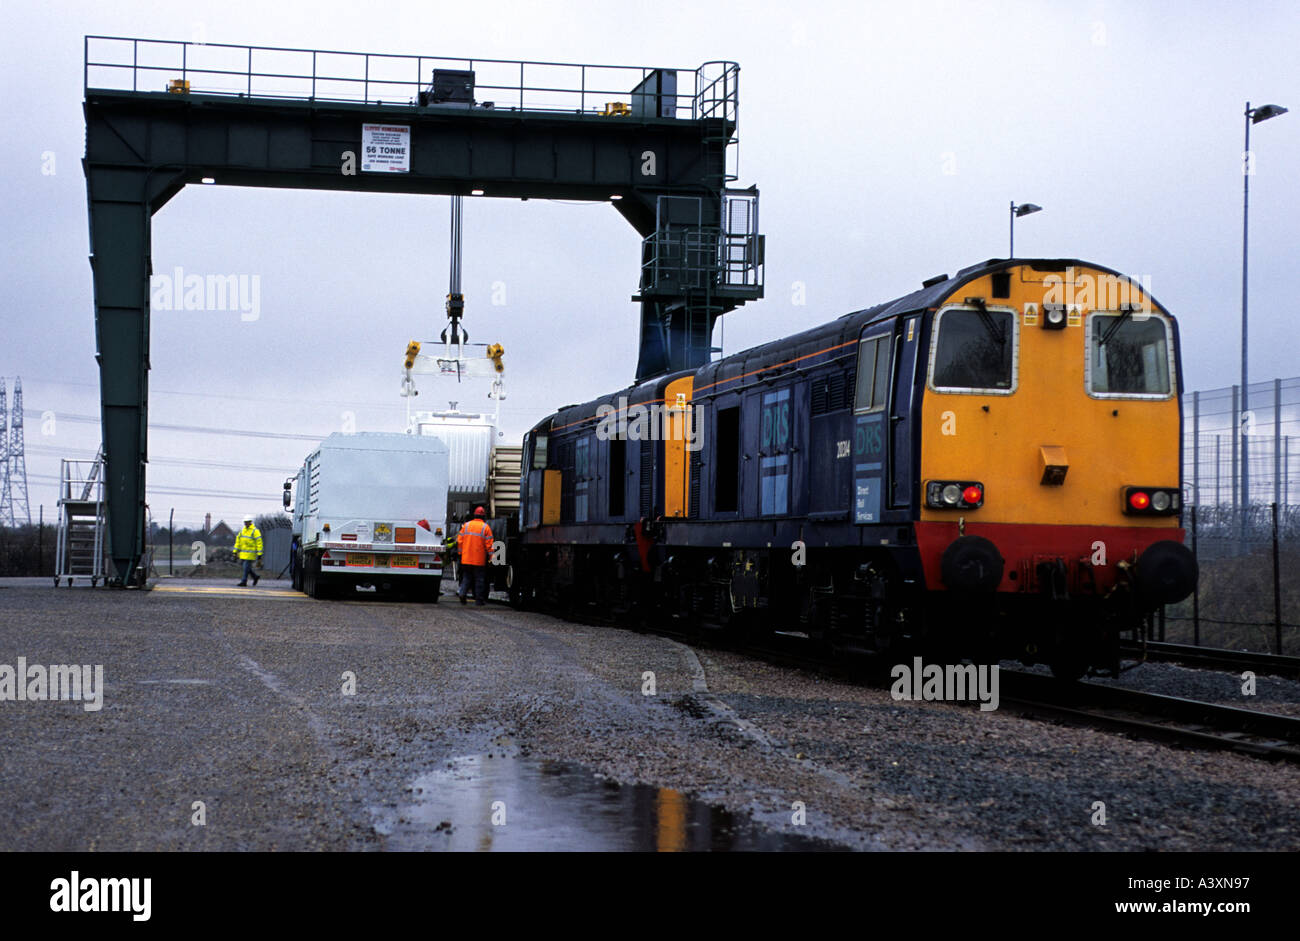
x: 1213, y: 658
x: 1188, y: 723
x: 1172, y: 719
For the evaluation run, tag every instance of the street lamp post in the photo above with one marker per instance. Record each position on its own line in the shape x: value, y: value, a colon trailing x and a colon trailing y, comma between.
x: 1253, y: 116
x: 1022, y: 210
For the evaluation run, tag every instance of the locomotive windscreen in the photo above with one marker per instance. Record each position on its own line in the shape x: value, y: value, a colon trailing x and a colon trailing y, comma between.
x: 1130, y: 357
x: 973, y: 350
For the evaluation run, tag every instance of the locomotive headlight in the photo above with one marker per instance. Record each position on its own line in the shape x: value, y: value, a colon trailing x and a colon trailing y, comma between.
x: 1160, y: 501
x: 1053, y: 316
x: 954, y: 494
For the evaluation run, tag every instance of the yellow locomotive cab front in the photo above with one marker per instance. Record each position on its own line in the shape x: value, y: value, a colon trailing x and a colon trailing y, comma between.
x: 1050, y: 457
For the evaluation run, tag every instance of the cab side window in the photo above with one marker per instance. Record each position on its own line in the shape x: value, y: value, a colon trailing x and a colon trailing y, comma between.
x: 872, y: 387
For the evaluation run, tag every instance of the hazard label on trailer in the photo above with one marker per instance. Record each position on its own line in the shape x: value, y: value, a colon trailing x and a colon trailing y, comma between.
x: 386, y: 148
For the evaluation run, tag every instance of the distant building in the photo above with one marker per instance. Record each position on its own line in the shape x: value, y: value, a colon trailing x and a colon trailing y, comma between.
x: 221, y: 534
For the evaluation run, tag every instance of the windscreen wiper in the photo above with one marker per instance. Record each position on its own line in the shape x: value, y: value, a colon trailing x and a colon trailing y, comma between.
x: 987, y: 319
x: 1124, y: 314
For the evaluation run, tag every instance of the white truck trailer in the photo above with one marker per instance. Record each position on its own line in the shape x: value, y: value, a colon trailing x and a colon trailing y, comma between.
x: 370, y: 509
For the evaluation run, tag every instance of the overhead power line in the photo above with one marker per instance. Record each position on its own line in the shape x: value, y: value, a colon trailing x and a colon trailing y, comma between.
x: 187, y: 491
x: 86, y: 454
x: 192, y: 429
x: 281, y: 399
x: 278, y: 399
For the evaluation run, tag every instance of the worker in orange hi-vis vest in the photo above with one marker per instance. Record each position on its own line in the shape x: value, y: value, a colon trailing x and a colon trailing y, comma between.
x: 475, y: 542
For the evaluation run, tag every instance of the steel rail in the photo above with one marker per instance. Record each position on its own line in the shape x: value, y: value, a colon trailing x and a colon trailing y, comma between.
x: 1190, y: 655
x: 1173, y: 719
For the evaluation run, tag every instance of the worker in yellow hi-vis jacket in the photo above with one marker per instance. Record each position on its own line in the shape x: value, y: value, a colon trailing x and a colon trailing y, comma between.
x: 248, y: 546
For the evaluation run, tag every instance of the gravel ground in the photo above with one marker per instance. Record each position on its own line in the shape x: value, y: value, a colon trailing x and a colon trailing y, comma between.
x: 235, y: 700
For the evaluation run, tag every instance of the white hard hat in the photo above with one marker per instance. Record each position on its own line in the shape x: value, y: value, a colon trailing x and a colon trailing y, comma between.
x: 248, y: 517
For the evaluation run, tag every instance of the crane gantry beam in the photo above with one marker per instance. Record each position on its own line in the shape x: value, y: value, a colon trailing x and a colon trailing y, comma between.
x: 661, y: 159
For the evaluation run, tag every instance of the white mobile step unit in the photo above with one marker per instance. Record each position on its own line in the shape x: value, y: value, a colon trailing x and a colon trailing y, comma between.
x: 503, y: 480
x: 80, y: 549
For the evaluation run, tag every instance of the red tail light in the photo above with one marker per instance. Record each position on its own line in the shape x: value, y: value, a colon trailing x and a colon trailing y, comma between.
x: 973, y: 495
x: 1152, y: 501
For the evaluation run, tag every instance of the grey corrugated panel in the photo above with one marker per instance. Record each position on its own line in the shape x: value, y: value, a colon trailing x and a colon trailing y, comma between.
x: 275, y: 551
x: 470, y: 447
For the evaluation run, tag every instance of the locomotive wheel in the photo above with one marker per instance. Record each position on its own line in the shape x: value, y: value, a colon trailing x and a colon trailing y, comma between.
x: 1074, y: 649
x: 518, y: 590
x: 735, y: 625
x: 721, y: 622
x: 1067, y: 668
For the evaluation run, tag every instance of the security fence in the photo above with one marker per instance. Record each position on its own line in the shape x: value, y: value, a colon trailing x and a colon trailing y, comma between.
x: 191, y: 551
x: 28, y: 550
x: 1241, y: 466
x: 1242, y: 451
x: 1246, y: 597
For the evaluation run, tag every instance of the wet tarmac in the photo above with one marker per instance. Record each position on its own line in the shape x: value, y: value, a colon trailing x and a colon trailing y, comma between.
x: 497, y: 803
x: 259, y: 719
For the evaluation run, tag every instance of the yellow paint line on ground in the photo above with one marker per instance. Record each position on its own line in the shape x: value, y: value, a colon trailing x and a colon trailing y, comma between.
x: 231, y: 592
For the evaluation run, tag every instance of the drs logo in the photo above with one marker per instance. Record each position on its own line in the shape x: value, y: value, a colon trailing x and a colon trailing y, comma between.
x: 776, y: 421
x: 868, y: 441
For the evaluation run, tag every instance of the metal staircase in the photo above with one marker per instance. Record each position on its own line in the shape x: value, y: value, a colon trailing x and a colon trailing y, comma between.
x: 695, y: 272
x: 80, y: 551
x: 705, y: 254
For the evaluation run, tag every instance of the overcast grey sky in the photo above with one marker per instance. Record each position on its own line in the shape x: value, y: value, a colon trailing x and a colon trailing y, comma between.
x: 886, y: 139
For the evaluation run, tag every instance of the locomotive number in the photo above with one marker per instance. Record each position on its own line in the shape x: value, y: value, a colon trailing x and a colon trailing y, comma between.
x: 842, y: 449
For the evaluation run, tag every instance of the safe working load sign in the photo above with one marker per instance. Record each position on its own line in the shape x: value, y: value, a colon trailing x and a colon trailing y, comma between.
x: 385, y: 148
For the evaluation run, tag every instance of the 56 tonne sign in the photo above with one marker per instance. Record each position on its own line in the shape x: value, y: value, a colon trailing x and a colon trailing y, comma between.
x: 386, y: 148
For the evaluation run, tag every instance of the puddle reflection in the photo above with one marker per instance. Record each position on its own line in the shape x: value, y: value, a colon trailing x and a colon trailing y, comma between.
x: 483, y: 804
